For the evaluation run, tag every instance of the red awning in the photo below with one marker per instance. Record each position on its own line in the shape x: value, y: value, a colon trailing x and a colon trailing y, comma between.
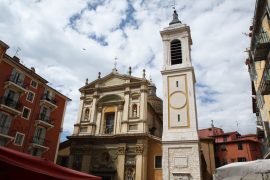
x: 17, y: 165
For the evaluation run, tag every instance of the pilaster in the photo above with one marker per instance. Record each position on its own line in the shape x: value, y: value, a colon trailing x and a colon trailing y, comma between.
x: 121, y: 152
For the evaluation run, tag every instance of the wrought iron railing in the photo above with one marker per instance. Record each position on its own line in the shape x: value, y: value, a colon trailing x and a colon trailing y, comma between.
x: 49, y: 98
x: 17, y: 81
x: 45, y: 118
x: 38, y: 140
x: 260, y: 38
x: 10, y: 102
x: 4, y: 129
x: 109, y: 129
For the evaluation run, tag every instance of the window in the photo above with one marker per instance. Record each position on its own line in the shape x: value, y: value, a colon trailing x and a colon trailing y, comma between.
x: 11, y: 98
x: 158, y: 162
x: 134, y: 110
x: 30, y: 96
x: 176, y: 83
x: 240, y: 146
x: 26, y: 113
x: 44, y: 114
x: 109, y: 123
x: 224, y: 139
x: 176, y: 52
x: 19, y: 137
x: 39, y: 136
x: 5, y: 121
x: 178, y: 117
x: 34, y: 84
x: 17, y: 77
x: 241, y: 159
x: 223, y: 147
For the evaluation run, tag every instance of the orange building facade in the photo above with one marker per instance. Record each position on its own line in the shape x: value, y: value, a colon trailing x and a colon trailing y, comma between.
x: 31, y: 112
x: 233, y: 147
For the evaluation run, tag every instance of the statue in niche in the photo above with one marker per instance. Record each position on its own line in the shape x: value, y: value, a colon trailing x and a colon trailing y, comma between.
x: 86, y: 114
x: 134, y: 110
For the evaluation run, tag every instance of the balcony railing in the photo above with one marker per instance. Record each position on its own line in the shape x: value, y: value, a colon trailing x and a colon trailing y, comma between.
x: 109, y: 129
x: 260, y: 46
x: 265, y: 81
x: 38, y: 140
x: 45, y: 118
x: 49, y: 98
x: 17, y: 81
x: 4, y: 130
x: 10, y: 103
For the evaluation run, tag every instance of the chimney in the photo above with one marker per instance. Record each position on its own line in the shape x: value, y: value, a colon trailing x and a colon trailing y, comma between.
x: 33, y: 69
x: 15, y: 58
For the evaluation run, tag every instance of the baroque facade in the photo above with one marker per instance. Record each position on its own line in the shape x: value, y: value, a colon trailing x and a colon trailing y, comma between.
x: 118, y: 130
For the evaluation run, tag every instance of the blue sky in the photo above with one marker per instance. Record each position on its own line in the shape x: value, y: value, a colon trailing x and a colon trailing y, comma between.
x: 68, y: 41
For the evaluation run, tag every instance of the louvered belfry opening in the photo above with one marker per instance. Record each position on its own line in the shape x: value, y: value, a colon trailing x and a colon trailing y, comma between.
x: 176, y: 52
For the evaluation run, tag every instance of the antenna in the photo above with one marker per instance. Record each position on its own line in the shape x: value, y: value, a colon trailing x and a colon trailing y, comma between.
x: 17, y: 50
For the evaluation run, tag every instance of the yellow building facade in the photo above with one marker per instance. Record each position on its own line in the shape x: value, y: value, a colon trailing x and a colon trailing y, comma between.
x: 258, y: 63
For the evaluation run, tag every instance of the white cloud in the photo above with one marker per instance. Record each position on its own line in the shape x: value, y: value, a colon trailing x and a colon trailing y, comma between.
x: 43, y: 30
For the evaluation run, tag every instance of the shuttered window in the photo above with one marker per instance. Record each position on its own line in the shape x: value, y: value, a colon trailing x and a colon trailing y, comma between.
x: 176, y: 52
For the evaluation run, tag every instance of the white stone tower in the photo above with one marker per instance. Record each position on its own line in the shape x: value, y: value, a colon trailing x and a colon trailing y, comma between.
x: 180, y: 142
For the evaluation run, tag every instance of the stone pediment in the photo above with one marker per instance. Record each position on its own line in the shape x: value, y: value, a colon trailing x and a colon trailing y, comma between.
x: 112, y: 79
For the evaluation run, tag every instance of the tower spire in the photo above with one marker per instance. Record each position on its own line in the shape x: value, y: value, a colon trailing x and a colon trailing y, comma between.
x: 175, y: 16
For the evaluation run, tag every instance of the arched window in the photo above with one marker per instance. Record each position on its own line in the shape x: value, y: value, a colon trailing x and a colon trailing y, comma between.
x: 134, y: 110
x: 86, y: 114
x: 176, y: 52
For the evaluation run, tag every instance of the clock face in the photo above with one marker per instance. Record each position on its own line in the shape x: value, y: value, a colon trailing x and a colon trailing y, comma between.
x: 178, y: 100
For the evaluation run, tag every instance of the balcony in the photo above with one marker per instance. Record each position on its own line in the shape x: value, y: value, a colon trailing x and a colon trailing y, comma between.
x: 265, y: 82
x: 4, y: 133
x: 109, y: 129
x: 45, y: 121
x: 10, y: 105
x: 48, y: 101
x: 260, y: 46
x: 40, y: 143
x: 16, y: 84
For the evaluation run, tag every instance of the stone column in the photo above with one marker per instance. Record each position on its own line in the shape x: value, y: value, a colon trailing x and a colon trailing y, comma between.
x: 139, y: 162
x: 121, y: 162
x: 124, y: 127
x: 99, y: 120
x: 119, y: 118
x: 143, y: 107
x: 94, y: 106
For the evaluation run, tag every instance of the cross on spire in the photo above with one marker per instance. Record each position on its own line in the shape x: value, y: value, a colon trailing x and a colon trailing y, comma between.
x: 115, y: 62
x: 173, y: 5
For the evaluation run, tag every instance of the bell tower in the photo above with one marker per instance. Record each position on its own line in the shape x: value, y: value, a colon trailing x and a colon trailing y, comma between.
x: 180, y: 142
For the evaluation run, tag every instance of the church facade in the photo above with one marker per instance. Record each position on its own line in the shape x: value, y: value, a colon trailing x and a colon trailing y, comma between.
x: 119, y: 128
